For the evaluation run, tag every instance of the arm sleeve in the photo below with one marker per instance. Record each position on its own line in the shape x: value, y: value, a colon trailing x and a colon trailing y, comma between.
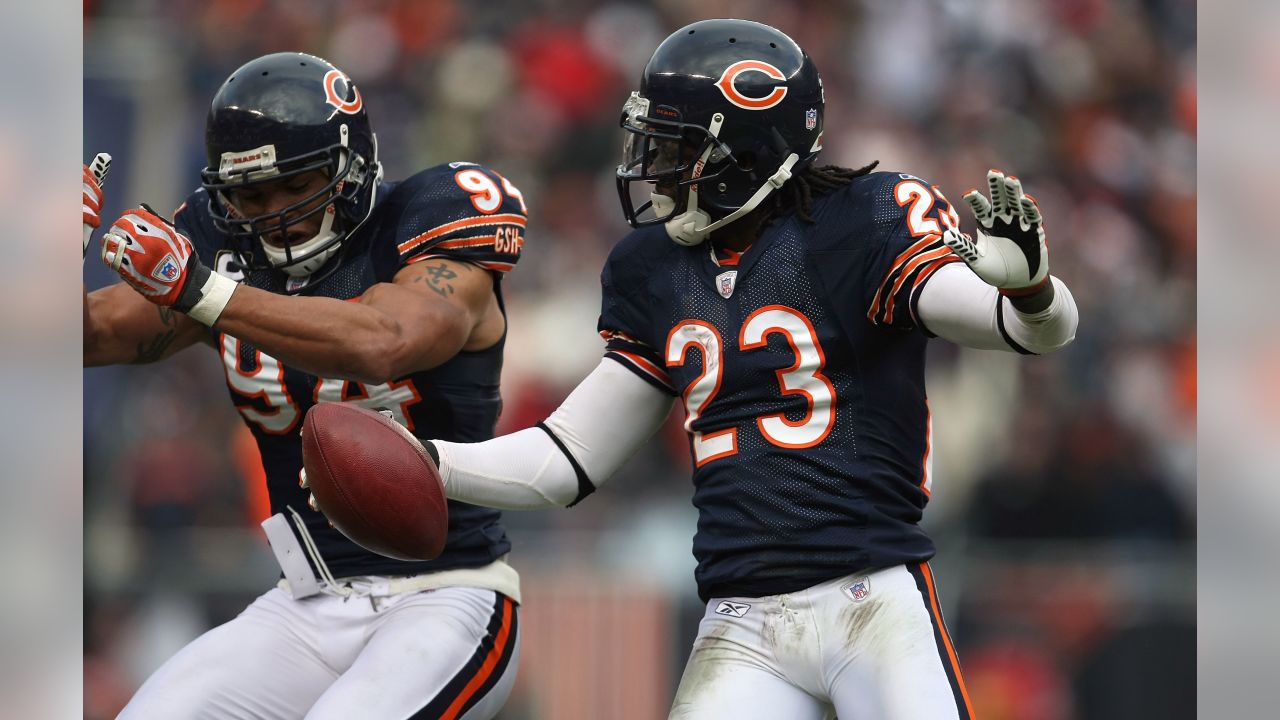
x: 469, y: 213
x: 958, y: 306
x: 585, y: 441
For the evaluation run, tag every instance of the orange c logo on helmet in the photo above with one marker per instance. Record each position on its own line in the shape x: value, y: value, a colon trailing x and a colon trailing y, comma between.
x: 731, y: 73
x: 351, y: 107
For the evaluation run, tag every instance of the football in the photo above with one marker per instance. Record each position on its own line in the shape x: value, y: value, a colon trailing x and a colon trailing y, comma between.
x: 374, y: 481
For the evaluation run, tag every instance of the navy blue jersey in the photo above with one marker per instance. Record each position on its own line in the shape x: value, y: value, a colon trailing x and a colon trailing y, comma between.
x: 801, y: 366
x: 459, y: 211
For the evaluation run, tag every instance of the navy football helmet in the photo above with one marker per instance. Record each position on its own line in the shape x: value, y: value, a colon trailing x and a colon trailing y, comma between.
x: 726, y: 112
x: 280, y: 116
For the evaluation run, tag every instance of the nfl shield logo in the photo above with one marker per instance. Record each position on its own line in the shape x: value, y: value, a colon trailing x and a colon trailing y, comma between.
x: 725, y: 282
x: 293, y: 284
x: 859, y: 590
x: 167, y: 270
x: 810, y: 119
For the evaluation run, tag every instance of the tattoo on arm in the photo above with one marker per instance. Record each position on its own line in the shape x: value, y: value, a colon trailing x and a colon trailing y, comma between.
x: 152, y: 350
x: 437, y: 278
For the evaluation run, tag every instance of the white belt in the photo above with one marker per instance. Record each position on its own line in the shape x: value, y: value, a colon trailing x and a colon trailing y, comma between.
x: 300, y: 582
x: 497, y: 576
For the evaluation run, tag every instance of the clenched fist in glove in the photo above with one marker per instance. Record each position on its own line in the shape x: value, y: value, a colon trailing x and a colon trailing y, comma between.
x: 1009, y: 251
x: 95, y: 174
x: 161, y: 264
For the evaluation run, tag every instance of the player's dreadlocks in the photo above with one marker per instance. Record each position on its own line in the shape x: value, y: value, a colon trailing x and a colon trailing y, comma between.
x: 812, y: 182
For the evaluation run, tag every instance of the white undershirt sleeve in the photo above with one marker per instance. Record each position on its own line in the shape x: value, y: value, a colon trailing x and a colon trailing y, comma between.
x: 958, y: 306
x: 602, y: 423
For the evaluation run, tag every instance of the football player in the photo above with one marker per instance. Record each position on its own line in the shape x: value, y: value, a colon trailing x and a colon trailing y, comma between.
x: 315, y: 280
x: 788, y: 307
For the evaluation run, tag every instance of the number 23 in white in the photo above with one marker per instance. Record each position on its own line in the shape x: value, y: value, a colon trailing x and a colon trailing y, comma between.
x: 803, y: 378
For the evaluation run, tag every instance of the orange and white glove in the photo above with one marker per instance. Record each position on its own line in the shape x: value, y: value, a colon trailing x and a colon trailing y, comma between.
x: 95, y: 174
x: 161, y: 264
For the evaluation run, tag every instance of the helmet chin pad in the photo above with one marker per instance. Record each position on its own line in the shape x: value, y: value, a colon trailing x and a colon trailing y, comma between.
x: 288, y: 261
x: 689, y: 228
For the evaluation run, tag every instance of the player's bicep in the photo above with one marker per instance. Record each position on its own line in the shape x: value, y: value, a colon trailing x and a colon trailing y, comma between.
x: 123, y: 327
x: 437, y: 308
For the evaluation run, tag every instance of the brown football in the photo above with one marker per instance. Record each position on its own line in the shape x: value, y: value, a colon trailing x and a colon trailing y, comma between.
x: 374, y: 481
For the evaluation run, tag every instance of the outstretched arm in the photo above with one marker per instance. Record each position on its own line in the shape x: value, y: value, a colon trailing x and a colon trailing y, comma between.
x: 602, y: 423
x: 429, y: 312
x: 1004, y: 299
x: 957, y: 306
x: 119, y: 326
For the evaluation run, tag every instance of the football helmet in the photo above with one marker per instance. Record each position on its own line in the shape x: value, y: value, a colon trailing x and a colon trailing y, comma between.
x: 726, y: 112
x: 276, y: 117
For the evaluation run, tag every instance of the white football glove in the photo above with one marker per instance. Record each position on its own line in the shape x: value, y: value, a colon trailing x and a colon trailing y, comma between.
x: 95, y: 174
x: 1009, y: 251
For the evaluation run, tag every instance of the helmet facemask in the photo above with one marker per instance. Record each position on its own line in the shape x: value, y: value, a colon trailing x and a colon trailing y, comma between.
x: 676, y: 158
x: 347, y: 173
x: 672, y: 157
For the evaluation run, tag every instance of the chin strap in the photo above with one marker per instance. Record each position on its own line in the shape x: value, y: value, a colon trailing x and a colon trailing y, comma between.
x: 694, y: 226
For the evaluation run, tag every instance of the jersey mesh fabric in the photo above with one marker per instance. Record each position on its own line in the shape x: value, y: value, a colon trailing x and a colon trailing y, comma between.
x: 775, y: 519
x: 458, y: 400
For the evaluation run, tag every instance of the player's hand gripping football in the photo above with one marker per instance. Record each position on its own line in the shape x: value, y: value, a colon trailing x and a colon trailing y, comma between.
x: 160, y: 263
x: 95, y: 174
x: 1009, y: 251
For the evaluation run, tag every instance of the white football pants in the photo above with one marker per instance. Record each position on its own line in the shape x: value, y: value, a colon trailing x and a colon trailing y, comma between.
x: 868, y: 646
x: 444, y: 653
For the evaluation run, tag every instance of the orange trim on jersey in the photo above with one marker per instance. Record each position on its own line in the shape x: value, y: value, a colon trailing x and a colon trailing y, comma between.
x: 616, y: 334
x: 906, y: 273
x: 467, y: 242
x: 928, y: 448
x: 933, y: 268
x: 445, y: 229
x: 640, y: 362
x: 500, y: 647
x: 731, y: 258
x: 946, y: 636
x: 902, y: 258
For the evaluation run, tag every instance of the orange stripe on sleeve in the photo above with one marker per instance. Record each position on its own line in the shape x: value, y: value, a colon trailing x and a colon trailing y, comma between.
x: 446, y: 228
x: 903, y: 257
x: 906, y: 273
x: 646, y: 366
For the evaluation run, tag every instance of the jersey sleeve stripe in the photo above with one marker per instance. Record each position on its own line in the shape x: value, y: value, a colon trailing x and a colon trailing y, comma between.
x: 932, y: 268
x: 644, y: 368
x: 446, y: 228
x: 468, y: 242
x: 903, y: 258
x: 618, y: 335
x: 911, y: 267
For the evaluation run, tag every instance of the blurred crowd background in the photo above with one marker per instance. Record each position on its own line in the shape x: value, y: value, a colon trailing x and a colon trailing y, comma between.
x: 1064, y: 494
